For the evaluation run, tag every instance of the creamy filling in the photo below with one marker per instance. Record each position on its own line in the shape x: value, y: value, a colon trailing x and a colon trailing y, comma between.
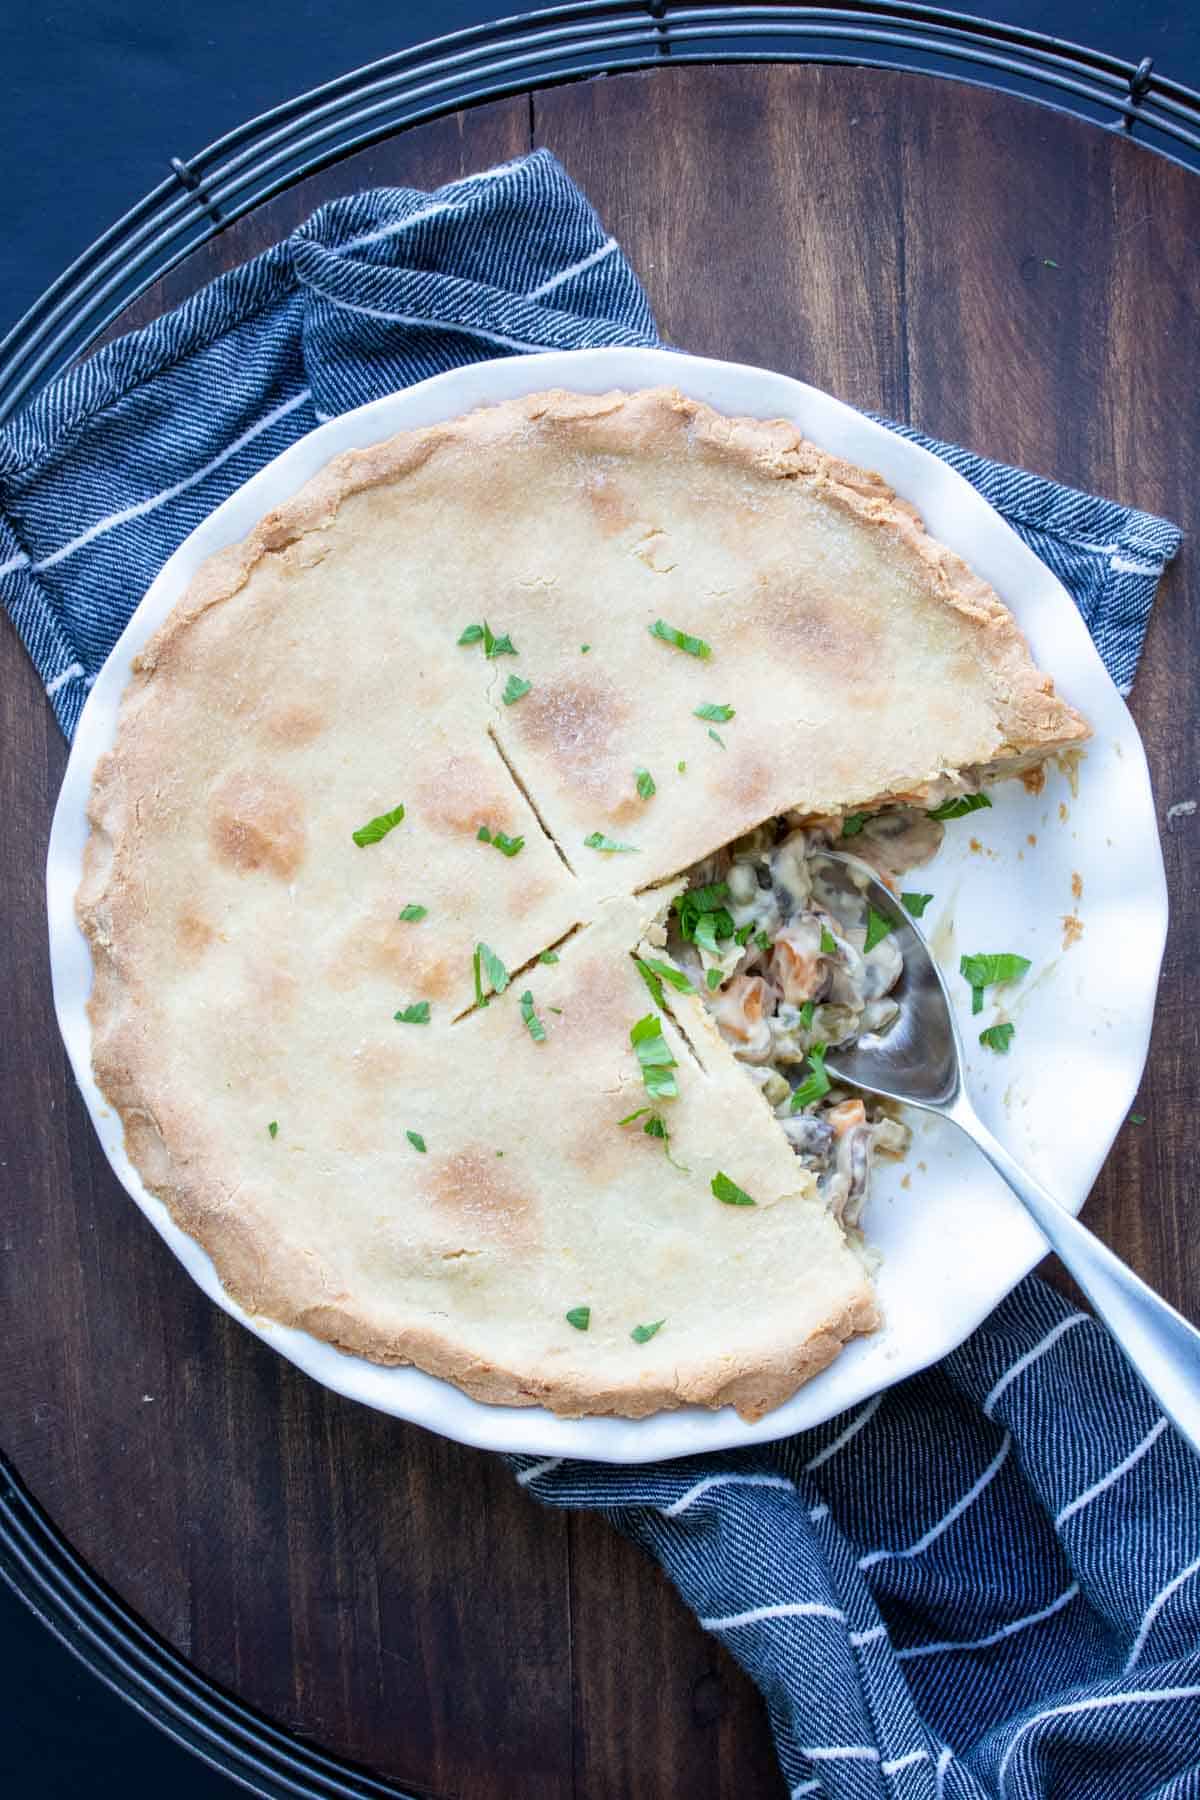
x: 778, y: 950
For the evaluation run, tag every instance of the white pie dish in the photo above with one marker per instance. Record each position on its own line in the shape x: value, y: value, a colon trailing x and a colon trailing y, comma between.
x: 954, y: 1241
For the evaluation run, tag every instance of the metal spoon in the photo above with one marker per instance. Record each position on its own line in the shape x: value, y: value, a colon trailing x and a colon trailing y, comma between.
x: 919, y: 1061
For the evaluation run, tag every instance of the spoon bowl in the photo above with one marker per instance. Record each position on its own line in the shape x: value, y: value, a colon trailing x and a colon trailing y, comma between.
x: 918, y: 1061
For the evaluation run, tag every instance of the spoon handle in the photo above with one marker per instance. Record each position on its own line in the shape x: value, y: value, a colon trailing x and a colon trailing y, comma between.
x: 1161, y: 1345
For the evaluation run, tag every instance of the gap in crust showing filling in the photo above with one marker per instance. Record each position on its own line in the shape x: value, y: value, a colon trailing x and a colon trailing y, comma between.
x: 784, y: 959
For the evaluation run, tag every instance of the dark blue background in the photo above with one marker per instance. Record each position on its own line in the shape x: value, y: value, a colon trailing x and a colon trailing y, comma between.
x: 97, y: 99
x: 100, y: 94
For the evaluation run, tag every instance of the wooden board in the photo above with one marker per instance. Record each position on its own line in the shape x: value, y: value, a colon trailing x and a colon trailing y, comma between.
x: 1003, y: 276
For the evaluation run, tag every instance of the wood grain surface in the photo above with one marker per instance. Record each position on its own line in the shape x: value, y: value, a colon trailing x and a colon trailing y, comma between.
x: 1015, y: 280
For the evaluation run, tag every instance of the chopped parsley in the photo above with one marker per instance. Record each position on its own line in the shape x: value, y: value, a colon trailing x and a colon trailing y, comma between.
x: 729, y: 1193
x: 584, y: 648
x: 493, y: 646
x: 273, y: 1128
x: 682, y: 640
x: 998, y: 1038
x: 655, y: 1127
x: 853, y: 823
x: 828, y: 942
x: 980, y: 972
x: 416, y: 1014
x: 508, y: 846
x: 378, y: 827
x: 412, y: 913
x: 497, y: 975
x: 714, y: 978
x: 816, y: 1085
x: 720, y: 715
x: 806, y: 1014
x: 536, y: 1029
x: 1137, y: 1118
x: 960, y: 806
x: 762, y: 940
x: 652, y: 981
x: 704, y: 918
x: 681, y: 768
x: 915, y: 904
x: 515, y: 689
x: 596, y: 840
x: 641, y: 1334
x: 639, y: 1114
x: 580, y: 1317
x: 716, y: 737
x: 670, y: 974
x: 656, y: 1058
x: 742, y: 935
x: 416, y: 1140
x: 548, y: 956
x: 645, y: 784
x: 878, y: 927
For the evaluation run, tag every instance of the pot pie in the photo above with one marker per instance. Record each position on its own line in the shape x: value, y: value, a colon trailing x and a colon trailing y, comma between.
x: 462, y: 960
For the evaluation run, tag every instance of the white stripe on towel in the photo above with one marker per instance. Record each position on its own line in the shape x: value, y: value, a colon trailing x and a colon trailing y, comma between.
x: 1147, y: 1697
x: 1113, y: 1476
x: 142, y: 507
x: 70, y: 673
x: 784, y: 1609
x: 489, y: 337
x: 541, y: 1468
x: 956, y: 1512
x: 995, y: 1637
x: 579, y: 268
x: 1031, y: 1356
x: 711, y: 1481
x: 425, y: 212
x: 852, y: 1430
x: 841, y: 1753
x: 903, y: 1762
x: 1155, y: 1607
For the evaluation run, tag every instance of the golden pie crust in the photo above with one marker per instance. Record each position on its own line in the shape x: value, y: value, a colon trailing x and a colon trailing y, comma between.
x: 249, y: 957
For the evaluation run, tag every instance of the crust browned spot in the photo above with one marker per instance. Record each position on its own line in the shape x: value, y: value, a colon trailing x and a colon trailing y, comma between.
x: 612, y: 507
x: 575, y: 721
x: 464, y: 793
x: 291, y: 726
x: 193, y: 934
x: 256, y: 822
x: 477, y: 1199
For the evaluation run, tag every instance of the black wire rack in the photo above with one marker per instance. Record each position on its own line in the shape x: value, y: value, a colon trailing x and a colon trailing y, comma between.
x: 42, y: 1568
x: 562, y: 43
x: 238, y: 172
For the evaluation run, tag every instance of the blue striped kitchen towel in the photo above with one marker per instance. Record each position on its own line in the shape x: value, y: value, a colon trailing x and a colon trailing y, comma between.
x: 982, y: 1583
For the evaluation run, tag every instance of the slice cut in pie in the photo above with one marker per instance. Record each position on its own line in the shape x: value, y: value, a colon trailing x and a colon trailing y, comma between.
x: 396, y: 990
